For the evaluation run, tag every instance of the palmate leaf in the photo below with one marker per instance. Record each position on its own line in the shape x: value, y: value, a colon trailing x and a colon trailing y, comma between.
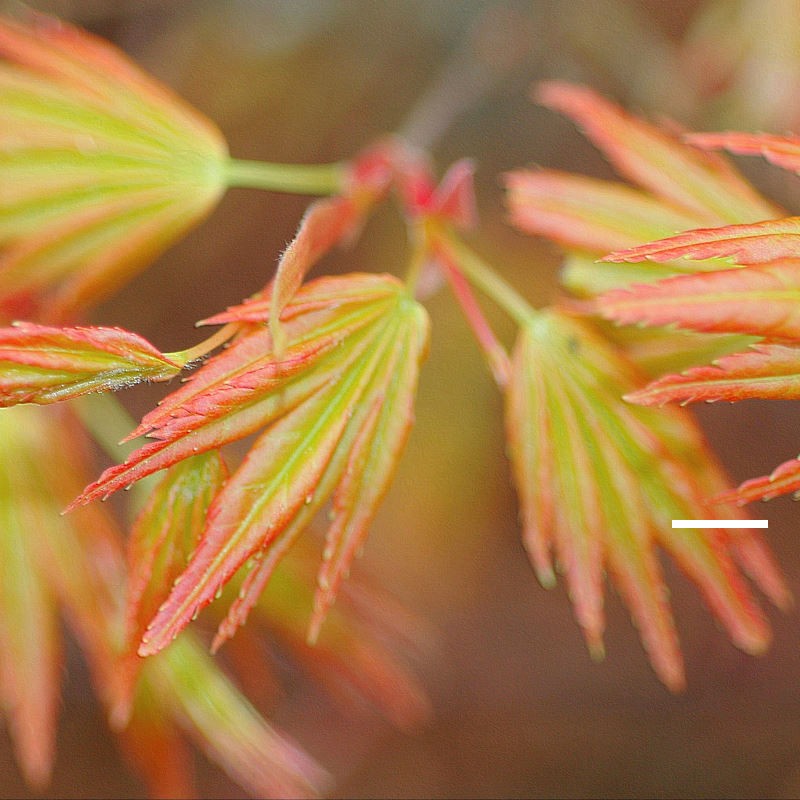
x: 600, y: 482
x: 40, y: 364
x: 101, y: 167
x: 73, y: 566
x: 757, y: 301
x: 684, y: 177
x: 328, y: 325
x: 335, y: 403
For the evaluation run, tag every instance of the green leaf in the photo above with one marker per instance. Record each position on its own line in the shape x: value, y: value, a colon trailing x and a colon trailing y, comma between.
x: 257, y: 756
x: 600, y: 482
x: 101, y: 167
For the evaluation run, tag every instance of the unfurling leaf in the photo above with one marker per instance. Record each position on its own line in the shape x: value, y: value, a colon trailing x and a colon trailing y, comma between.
x: 757, y: 301
x: 39, y: 364
x: 687, y: 178
x: 328, y: 222
x: 757, y: 243
x: 600, y: 482
x: 336, y: 405
x: 101, y: 167
x: 767, y: 371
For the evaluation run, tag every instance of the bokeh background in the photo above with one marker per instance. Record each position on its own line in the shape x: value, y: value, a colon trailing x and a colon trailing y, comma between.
x: 520, y: 709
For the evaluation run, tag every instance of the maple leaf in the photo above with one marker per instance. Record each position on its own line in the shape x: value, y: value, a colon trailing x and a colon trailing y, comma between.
x: 352, y: 648
x: 684, y: 177
x: 768, y: 371
x: 590, y: 214
x: 587, y: 216
x: 756, y: 243
x: 783, y: 151
x: 56, y: 566
x: 600, y: 483
x: 363, y: 649
x: 40, y: 364
x: 328, y: 222
x: 756, y: 300
x: 681, y: 188
x: 336, y: 406
x: 101, y: 166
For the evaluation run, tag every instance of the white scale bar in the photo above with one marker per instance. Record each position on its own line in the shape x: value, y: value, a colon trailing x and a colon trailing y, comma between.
x: 720, y: 523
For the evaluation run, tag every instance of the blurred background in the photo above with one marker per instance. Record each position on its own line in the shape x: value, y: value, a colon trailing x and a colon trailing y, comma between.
x: 519, y: 708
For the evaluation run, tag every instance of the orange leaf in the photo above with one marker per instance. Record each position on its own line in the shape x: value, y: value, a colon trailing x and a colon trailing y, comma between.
x: 757, y: 243
x: 767, y: 371
x: 293, y: 467
x: 784, y: 479
x: 758, y: 301
x: 589, y: 214
x: 247, y: 386
x: 691, y: 180
x: 783, y: 151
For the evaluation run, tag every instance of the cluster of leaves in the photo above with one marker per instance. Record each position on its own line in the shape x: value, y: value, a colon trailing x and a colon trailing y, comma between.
x: 101, y: 169
x: 104, y: 169
x: 600, y: 479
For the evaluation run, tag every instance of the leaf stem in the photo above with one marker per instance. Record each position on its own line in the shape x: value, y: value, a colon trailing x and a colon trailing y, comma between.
x: 481, y: 275
x: 184, y: 357
x: 322, y: 179
x: 420, y: 250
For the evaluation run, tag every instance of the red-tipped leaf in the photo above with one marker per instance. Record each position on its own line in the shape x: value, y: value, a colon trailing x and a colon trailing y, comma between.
x: 758, y: 301
x: 697, y: 182
x: 756, y: 243
x: 767, y: 371
x: 39, y: 364
x: 783, y: 151
x: 590, y: 214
